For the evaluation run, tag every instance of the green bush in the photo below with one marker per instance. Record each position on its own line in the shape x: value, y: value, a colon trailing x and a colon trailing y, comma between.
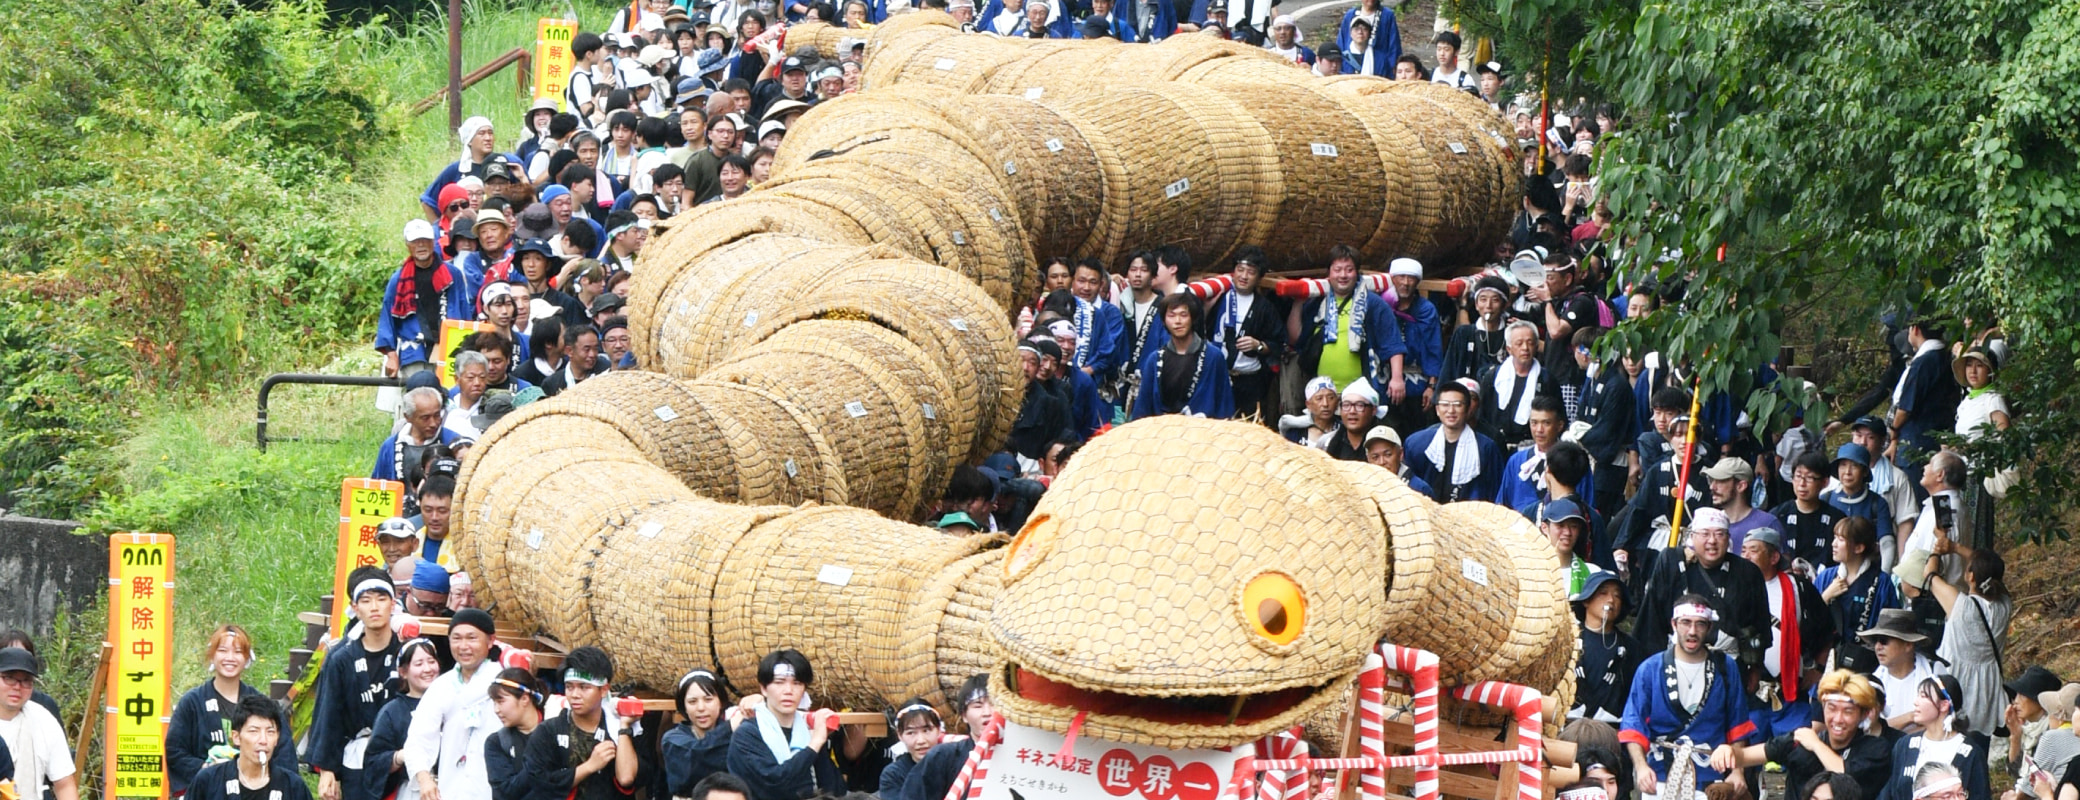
x: 175, y: 173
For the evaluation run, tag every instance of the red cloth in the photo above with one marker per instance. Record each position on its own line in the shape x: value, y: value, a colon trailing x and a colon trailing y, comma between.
x: 407, y: 302
x: 1788, y: 649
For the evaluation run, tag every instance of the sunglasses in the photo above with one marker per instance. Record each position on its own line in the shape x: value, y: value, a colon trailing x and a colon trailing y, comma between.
x: 458, y: 206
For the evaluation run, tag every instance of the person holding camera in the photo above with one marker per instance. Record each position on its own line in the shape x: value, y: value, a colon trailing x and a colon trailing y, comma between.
x: 1975, y: 629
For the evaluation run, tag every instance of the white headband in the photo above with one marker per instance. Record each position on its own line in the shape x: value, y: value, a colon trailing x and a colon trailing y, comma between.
x: 374, y: 585
x: 916, y: 707
x: 783, y: 670
x: 1584, y: 793
x: 1942, y: 784
x: 1695, y: 611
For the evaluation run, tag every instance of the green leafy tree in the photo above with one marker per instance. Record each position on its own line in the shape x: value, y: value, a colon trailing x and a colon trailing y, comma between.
x: 1882, y: 155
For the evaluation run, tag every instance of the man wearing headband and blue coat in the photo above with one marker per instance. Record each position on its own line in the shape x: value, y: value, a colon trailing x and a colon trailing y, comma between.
x: 1687, y: 693
x: 352, y: 687
x: 588, y: 752
x: 785, y: 752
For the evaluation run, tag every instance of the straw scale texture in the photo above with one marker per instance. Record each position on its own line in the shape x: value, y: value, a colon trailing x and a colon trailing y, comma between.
x: 826, y: 349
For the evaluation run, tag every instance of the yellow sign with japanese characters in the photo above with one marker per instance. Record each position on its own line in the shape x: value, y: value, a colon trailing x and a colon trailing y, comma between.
x: 140, y: 678
x: 363, y: 505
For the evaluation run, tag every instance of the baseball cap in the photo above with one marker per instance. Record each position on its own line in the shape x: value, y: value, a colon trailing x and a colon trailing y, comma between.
x: 1562, y: 510
x: 1383, y: 433
x: 1487, y: 67
x: 1730, y: 469
x: 396, y: 528
x: 794, y: 64
x: 1873, y: 423
x: 1851, y: 451
x: 771, y: 126
x: 1769, y: 536
x: 419, y: 229
x: 15, y: 659
x: 606, y: 301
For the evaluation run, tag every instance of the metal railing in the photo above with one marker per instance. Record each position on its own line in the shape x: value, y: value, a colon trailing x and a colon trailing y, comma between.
x: 267, y: 387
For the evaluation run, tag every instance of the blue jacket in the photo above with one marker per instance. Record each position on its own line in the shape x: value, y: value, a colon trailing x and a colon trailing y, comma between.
x: 1650, y: 714
x: 220, y: 782
x: 689, y: 758
x: 387, y: 468
x: 1087, y: 409
x: 1607, y: 405
x: 1213, y: 397
x: 403, y: 335
x: 1515, y: 491
x: 1484, y: 485
x: 200, y: 721
x: 1872, y: 506
x: 392, y: 723
x: 1970, y: 762
x: 801, y: 776
x: 1100, y: 349
x: 1424, y: 339
x: 352, y: 687
x: 1386, y: 43
x: 1381, y: 338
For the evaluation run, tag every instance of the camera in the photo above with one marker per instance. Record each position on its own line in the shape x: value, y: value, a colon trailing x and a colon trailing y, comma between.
x: 1946, y: 516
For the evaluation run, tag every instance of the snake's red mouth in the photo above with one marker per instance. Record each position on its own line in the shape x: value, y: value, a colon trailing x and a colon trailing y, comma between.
x: 1206, y: 710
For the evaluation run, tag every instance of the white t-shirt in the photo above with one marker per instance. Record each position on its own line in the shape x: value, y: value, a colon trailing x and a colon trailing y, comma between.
x: 1975, y: 412
x: 1900, y: 692
x: 41, y: 754
x: 1690, y: 684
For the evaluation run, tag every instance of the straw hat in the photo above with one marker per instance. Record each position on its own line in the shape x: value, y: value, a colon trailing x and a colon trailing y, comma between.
x: 1980, y: 354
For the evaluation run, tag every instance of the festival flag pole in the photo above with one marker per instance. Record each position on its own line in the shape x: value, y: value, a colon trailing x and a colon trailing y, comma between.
x: 1682, y: 487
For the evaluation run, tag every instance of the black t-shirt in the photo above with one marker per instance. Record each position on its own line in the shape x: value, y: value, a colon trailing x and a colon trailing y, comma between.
x: 2071, y: 779
x: 1603, y: 674
x: 255, y: 793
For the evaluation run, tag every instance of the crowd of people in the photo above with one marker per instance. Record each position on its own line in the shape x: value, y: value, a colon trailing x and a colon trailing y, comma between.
x: 1747, y: 593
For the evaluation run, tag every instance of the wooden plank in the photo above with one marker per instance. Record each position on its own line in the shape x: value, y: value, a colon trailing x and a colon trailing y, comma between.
x: 94, y: 710
x: 1450, y: 738
x: 875, y: 722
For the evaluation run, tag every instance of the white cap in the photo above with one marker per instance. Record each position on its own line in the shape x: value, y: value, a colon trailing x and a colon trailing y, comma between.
x: 652, y: 54
x: 1405, y: 266
x: 1360, y: 389
x: 419, y: 229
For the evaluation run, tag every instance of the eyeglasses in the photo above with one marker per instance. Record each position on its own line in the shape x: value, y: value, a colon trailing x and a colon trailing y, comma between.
x: 1357, y: 405
x: 452, y: 207
x: 1451, y: 404
x: 18, y: 679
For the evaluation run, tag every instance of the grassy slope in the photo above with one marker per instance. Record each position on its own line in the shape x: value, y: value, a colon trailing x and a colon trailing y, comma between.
x: 257, y: 531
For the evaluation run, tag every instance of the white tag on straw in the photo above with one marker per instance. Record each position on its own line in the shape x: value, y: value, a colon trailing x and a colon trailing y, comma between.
x: 856, y: 409
x: 1054, y: 145
x: 792, y: 470
x: 960, y: 238
x: 1458, y: 148
x: 665, y: 414
x: 750, y: 318
x: 944, y: 64
x: 834, y: 575
x: 534, y: 538
x: 1010, y: 168
x: 1180, y: 187
x: 995, y: 215
x: 1474, y: 571
x: 929, y: 412
x: 1323, y: 149
x: 1035, y: 92
x: 650, y: 530
x: 958, y: 324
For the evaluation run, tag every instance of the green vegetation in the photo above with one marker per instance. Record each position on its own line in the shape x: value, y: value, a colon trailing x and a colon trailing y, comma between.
x: 197, y: 195
x: 1852, y: 156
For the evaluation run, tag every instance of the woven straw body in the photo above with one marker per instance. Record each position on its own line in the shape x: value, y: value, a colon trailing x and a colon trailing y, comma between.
x: 831, y: 345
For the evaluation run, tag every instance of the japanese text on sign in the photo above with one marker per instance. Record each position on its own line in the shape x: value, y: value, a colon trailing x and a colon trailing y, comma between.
x: 452, y: 333
x: 363, y: 505
x: 1031, y: 763
x: 553, y: 59
x: 140, y: 693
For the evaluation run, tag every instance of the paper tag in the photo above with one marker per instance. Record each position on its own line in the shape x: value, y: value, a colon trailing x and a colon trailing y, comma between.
x: 665, y: 414
x: 929, y: 412
x: 1035, y: 92
x: 792, y: 470
x: 960, y: 238
x: 856, y: 408
x: 1457, y: 148
x: 750, y: 318
x: 534, y: 539
x: 1323, y: 149
x: 650, y: 530
x: 1010, y: 168
x: 995, y: 215
x: 1474, y: 571
x: 1180, y: 187
x: 1054, y: 145
x: 834, y: 575
x: 943, y: 64
x: 958, y: 324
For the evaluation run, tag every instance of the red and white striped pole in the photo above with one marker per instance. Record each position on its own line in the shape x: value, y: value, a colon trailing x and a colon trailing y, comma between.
x: 1421, y: 668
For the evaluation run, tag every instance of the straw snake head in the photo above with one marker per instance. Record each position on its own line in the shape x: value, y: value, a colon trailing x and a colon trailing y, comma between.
x: 1189, y: 583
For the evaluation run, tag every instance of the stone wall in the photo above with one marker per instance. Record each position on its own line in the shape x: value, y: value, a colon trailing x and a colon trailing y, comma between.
x: 46, y: 565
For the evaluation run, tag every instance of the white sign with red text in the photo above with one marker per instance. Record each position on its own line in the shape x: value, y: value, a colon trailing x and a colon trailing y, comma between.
x: 1028, y: 766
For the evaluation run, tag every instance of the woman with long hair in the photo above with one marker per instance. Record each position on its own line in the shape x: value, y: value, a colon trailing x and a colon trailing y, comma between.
x: 1945, y: 741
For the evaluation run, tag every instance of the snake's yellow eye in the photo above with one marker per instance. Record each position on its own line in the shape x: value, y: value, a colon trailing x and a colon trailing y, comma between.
x: 1274, y: 607
x: 1031, y: 544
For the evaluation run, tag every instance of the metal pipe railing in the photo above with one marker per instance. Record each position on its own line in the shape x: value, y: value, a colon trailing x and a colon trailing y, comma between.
x: 267, y: 386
